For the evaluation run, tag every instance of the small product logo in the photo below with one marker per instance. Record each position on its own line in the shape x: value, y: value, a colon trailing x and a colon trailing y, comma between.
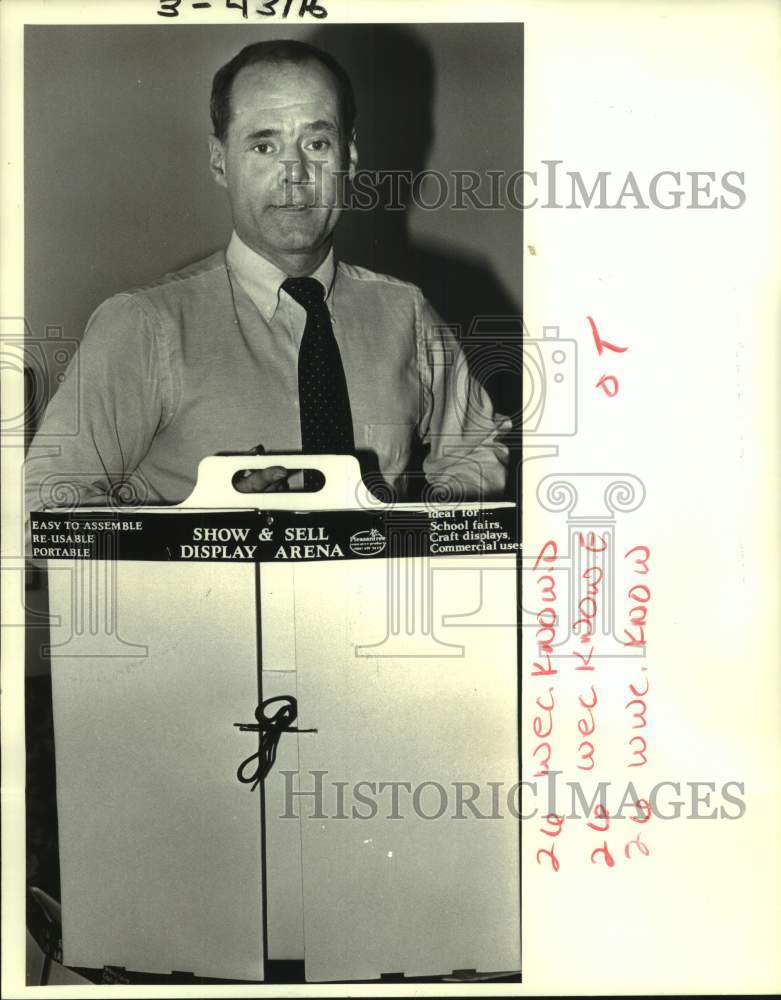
x: 367, y: 543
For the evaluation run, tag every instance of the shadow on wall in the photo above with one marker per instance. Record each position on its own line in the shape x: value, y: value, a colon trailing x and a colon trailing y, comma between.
x: 394, y: 76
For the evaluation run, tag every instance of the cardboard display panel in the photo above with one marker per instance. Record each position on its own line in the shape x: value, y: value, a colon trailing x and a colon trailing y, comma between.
x: 160, y: 859
x: 436, y: 889
x: 397, y: 652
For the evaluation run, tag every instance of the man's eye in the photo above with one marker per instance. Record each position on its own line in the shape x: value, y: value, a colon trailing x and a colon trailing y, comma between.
x: 319, y: 145
x: 262, y: 147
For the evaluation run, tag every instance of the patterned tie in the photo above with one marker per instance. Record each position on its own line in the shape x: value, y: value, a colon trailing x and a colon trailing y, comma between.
x: 326, y: 420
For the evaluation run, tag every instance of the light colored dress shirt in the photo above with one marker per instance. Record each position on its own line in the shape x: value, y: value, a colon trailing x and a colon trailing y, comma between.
x: 205, y: 361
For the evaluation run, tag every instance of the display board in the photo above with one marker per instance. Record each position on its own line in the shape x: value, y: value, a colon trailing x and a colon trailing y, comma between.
x: 262, y: 665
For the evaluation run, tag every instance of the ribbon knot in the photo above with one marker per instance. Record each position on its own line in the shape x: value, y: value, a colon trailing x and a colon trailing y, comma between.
x: 271, y: 729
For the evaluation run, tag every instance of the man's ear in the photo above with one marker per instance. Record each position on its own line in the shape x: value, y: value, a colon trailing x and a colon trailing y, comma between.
x: 217, y: 160
x: 352, y: 154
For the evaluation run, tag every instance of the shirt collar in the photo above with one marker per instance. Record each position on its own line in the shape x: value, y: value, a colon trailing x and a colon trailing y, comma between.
x: 262, y: 280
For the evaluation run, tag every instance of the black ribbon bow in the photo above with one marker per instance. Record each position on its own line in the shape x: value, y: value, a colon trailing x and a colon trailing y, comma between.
x: 270, y: 729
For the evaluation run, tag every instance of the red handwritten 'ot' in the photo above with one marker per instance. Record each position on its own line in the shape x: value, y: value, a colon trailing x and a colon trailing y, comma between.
x: 607, y: 383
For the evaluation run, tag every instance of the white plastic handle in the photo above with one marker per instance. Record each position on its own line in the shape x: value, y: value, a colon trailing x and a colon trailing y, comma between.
x: 343, y: 487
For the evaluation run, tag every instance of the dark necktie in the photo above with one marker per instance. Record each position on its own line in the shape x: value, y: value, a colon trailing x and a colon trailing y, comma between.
x: 326, y: 421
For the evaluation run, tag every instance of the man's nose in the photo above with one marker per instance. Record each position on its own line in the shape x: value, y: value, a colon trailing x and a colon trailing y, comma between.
x: 297, y: 169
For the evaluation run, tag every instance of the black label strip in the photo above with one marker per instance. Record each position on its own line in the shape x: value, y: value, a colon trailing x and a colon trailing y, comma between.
x: 272, y: 536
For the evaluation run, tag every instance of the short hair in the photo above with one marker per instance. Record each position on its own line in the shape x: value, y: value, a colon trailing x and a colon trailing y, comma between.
x: 278, y: 51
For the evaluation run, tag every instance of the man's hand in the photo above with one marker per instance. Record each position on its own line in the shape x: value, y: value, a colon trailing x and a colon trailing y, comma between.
x: 271, y: 480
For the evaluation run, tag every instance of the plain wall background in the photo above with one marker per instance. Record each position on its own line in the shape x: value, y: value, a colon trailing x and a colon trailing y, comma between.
x: 117, y: 186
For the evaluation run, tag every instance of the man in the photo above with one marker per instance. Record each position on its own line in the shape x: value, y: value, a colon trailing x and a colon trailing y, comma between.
x: 270, y: 344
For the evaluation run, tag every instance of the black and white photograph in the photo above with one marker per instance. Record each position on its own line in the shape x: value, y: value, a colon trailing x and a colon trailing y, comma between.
x: 288, y: 282
x: 390, y: 440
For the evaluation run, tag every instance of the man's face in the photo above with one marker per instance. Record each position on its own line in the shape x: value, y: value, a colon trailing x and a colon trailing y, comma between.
x: 281, y: 159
